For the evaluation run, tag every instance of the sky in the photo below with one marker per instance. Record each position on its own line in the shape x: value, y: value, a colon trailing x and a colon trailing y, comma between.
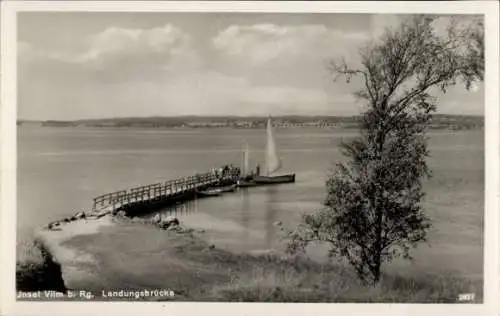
x: 77, y: 65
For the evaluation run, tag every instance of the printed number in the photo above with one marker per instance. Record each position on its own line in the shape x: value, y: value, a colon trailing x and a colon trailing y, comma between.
x: 466, y: 297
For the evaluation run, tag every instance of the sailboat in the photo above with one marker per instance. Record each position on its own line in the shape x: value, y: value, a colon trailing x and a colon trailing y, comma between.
x: 273, y: 163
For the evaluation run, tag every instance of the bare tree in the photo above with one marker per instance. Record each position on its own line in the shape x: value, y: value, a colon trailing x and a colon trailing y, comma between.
x: 373, y: 207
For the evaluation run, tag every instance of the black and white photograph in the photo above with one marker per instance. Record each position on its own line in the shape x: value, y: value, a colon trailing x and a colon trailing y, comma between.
x: 251, y: 156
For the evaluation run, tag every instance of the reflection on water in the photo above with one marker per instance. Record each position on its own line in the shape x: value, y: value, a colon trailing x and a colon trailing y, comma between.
x: 243, y: 220
x: 270, y: 214
x: 178, y: 209
x: 245, y: 211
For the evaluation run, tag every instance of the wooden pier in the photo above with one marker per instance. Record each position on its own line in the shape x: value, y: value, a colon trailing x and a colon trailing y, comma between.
x: 162, y: 193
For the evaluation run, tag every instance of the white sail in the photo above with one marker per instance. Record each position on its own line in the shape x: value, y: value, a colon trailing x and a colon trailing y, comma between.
x: 245, y: 160
x: 273, y: 163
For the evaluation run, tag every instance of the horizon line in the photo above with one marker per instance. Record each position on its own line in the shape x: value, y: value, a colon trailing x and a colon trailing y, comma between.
x: 221, y: 115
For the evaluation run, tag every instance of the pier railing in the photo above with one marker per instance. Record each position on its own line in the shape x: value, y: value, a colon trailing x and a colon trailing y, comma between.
x: 162, y: 190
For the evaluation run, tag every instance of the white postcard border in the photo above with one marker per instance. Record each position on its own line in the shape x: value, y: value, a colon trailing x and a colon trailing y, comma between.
x: 9, y: 306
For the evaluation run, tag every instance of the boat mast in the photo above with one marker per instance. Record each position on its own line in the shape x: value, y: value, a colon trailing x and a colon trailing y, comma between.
x: 245, y: 159
x: 267, y: 144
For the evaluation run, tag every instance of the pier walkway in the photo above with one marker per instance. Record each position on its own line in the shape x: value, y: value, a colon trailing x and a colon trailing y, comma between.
x: 160, y: 193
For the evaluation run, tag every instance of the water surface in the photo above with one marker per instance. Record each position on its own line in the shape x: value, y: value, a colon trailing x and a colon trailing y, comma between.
x: 60, y: 170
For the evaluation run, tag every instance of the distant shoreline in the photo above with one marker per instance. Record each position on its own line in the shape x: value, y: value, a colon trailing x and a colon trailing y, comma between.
x: 439, y: 121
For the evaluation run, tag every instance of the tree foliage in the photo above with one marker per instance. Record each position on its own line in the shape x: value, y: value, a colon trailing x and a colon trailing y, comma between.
x: 373, y: 209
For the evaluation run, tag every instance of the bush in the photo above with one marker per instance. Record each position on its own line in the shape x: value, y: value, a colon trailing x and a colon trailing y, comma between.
x: 36, y: 270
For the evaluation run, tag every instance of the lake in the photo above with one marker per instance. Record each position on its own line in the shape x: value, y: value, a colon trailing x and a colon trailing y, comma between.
x: 60, y: 170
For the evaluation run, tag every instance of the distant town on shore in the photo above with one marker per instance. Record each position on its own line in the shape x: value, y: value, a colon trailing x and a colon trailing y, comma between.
x: 439, y: 121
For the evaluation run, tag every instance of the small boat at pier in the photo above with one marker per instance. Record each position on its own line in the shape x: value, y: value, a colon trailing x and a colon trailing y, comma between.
x: 207, y: 193
x: 229, y: 188
x: 246, y: 183
x: 216, y: 191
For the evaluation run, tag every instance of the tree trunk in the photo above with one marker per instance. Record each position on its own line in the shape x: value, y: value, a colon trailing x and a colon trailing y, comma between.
x: 379, y: 210
x: 376, y: 270
x: 378, y: 243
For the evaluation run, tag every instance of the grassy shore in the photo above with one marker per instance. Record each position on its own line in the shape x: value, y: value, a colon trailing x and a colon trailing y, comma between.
x: 197, y: 271
x: 307, y: 282
x: 271, y: 278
